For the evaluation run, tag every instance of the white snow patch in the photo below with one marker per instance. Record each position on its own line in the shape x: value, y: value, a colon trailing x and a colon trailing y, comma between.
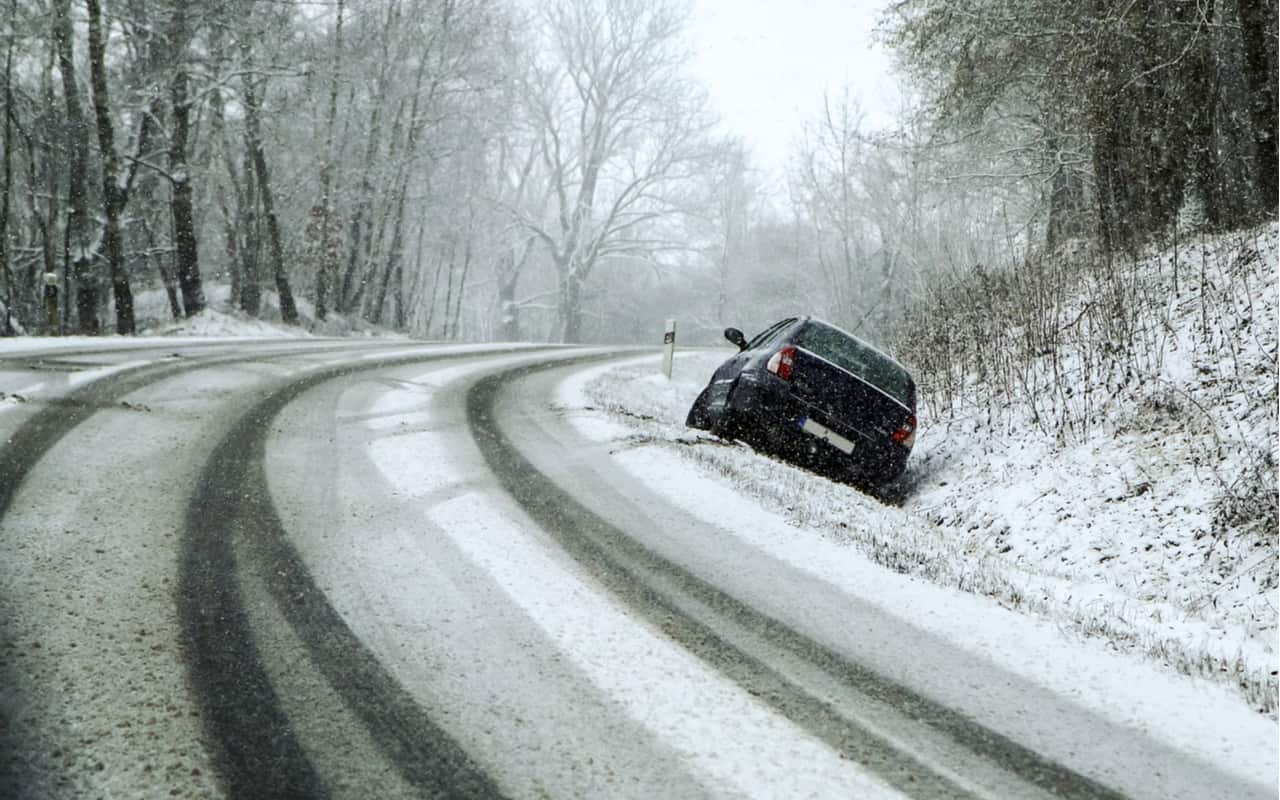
x: 662, y: 686
x: 1195, y: 717
x: 572, y: 398
x: 1145, y: 490
x: 11, y: 400
x: 77, y: 379
x: 215, y: 323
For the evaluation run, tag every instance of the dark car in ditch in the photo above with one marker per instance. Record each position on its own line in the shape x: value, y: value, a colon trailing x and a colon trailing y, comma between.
x: 813, y: 393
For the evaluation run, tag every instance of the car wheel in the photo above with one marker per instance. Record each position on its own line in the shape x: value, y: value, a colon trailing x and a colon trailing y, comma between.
x: 698, y: 416
x: 729, y: 424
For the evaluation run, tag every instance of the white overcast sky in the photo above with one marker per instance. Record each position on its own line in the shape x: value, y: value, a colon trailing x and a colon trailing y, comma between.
x: 767, y: 63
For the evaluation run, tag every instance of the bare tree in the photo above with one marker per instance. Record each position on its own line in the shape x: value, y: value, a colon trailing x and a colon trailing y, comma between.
x: 514, y: 178
x: 734, y: 196
x: 1144, y: 90
x: 619, y: 127
x: 258, y: 158
x: 115, y: 185
x: 239, y: 218
x: 6, y: 190
x: 414, y: 126
x: 184, y: 234
x: 326, y: 269
x: 78, y: 222
x: 827, y: 175
x: 360, y: 239
x: 1258, y: 21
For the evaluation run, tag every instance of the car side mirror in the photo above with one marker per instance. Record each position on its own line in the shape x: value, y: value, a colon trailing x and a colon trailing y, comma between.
x: 734, y: 335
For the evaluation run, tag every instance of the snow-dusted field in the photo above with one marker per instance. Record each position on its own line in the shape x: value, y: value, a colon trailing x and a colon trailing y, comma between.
x: 1151, y: 516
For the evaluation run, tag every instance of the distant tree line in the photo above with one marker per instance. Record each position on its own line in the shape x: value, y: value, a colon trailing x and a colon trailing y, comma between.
x: 438, y: 166
x: 493, y: 169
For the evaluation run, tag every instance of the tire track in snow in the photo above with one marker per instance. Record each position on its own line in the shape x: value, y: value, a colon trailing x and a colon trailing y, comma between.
x: 57, y: 417
x: 60, y: 415
x: 661, y: 591
x: 19, y: 455
x: 231, y: 516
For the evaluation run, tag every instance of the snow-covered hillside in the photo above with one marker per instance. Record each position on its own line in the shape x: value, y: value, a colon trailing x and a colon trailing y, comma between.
x: 1154, y: 523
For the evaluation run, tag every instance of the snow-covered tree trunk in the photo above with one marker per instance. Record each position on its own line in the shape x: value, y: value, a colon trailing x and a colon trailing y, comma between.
x: 247, y: 222
x: 6, y: 189
x: 253, y: 133
x: 570, y: 305
x: 187, y: 250
x: 115, y: 185
x: 325, y: 270
x: 78, y: 235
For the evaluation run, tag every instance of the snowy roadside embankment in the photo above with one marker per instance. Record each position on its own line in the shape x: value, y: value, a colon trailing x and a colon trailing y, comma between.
x: 1139, y: 479
x: 903, y: 563
x: 1138, y: 534
x: 221, y: 318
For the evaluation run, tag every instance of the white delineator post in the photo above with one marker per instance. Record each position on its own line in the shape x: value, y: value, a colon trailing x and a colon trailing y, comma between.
x: 50, y: 302
x: 668, y: 347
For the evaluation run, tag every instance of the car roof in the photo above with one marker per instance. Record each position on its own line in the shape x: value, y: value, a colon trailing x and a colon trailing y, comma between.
x: 861, y: 341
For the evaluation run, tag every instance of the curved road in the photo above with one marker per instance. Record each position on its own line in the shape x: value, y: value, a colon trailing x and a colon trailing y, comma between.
x: 320, y: 568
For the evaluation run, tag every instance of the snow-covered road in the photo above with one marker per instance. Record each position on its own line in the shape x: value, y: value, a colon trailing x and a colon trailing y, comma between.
x: 369, y: 570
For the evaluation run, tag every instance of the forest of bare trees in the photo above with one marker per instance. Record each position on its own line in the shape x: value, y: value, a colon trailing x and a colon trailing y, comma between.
x: 503, y: 169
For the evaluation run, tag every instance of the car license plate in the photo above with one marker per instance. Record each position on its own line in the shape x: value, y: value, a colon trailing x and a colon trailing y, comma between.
x: 826, y: 434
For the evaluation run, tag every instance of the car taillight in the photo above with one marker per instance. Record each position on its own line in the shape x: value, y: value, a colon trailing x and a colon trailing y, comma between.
x: 780, y: 363
x: 906, y: 435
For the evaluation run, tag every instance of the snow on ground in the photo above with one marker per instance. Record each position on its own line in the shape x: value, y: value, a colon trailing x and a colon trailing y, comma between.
x: 1156, y: 517
x: 219, y: 320
x: 156, y: 326
x: 1031, y: 623
x: 155, y: 318
x: 215, y: 323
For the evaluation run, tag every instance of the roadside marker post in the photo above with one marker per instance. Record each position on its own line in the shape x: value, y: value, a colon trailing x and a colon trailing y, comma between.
x: 51, y: 302
x: 668, y: 347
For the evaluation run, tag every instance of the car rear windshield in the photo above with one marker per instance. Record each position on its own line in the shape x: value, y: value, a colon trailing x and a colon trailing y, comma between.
x: 848, y: 353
